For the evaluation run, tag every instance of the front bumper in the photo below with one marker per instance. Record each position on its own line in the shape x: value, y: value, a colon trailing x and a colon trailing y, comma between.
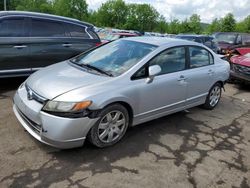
x: 239, y: 76
x: 52, y: 130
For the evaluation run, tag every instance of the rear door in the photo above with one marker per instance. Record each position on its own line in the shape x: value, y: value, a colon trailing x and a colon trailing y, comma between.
x: 49, y: 42
x: 200, y: 75
x: 13, y: 46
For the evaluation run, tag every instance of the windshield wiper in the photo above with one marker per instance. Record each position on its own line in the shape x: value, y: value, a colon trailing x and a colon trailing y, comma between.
x: 96, y: 69
x: 92, y: 67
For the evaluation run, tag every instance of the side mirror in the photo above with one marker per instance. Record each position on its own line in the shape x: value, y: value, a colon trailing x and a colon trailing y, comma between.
x: 153, y: 71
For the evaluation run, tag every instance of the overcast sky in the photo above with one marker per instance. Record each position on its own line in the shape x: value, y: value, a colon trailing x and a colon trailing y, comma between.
x: 181, y: 9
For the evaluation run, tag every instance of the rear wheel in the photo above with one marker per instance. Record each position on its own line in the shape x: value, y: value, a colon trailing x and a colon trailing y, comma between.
x: 111, y: 126
x: 213, y: 97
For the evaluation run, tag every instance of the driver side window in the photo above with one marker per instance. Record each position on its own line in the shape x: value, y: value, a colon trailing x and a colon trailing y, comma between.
x: 171, y: 60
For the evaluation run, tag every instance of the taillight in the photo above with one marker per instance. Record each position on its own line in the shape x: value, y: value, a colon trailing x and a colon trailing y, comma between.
x: 98, y: 44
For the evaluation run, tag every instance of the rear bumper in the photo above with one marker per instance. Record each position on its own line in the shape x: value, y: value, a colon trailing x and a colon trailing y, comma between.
x: 52, y: 130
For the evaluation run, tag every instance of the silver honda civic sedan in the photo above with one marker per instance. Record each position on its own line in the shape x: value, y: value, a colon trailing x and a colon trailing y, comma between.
x: 100, y: 93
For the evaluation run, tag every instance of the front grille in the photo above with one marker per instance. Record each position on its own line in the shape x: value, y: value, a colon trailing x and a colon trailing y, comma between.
x: 241, y: 69
x: 34, y: 126
x: 31, y: 95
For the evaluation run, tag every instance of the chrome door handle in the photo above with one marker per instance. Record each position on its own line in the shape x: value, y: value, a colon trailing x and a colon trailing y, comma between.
x: 20, y: 46
x: 67, y: 45
x: 182, y: 78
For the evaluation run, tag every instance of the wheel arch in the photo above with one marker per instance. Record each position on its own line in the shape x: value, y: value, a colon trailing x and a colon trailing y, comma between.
x: 221, y: 84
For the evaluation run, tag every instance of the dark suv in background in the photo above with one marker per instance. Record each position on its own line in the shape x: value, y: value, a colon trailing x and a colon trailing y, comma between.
x: 30, y: 41
x: 228, y: 40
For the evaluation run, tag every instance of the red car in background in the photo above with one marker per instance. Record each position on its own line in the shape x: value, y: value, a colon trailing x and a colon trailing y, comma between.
x: 229, y: 40
x: 240, y: 64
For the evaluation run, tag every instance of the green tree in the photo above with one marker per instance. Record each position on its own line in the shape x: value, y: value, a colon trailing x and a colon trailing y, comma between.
x: 71, y: 8
x: 142, y: 17
x: 215, y: 26
x: 195, y: 24
x: 184, y: 27
x: 33, y: 5
x: 174, y: 26
x: 11, y: 4
x: 147, y: 17
x: 132, y: 22
x: 112, y: 13
x: 228, y: 23
x: 244, y: 25
x: 162, y: 25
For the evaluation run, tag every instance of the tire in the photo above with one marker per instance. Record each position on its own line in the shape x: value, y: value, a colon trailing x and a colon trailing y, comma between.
x: 213, y: 97
x: 111, y: 126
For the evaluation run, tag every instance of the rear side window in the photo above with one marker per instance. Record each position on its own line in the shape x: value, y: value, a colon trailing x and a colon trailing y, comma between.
x: 77, y: 31
x: 12, y: 27
x: 199, y: 57
x: 46, y: 28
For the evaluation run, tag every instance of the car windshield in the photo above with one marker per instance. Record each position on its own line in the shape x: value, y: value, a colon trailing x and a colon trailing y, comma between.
x: 116, y: 57
x: 226, y: 37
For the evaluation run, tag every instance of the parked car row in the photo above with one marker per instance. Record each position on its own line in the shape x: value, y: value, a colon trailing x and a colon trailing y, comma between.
x: 219, y: 42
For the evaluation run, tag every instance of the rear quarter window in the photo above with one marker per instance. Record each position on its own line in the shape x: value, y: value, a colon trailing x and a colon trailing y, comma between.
x: 93, y: 34
x: 77, y: 31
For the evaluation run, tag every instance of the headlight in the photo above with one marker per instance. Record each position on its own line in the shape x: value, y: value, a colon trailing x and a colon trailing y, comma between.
x: 21, y: 86
x: 67, y: 109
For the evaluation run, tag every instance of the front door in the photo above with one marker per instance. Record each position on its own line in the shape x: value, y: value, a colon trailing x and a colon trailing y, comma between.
x: 167, y: 92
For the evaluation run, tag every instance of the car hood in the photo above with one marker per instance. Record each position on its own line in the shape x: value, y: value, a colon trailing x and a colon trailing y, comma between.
x: 60, y: 78
x: 243, y: 50
x: 241, y: 60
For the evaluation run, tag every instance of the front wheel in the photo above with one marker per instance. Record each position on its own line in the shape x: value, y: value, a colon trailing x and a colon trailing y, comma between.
x: 213, y: 97
x: 111, y: 126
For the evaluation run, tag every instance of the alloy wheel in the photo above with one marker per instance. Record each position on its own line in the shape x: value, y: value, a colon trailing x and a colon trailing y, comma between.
x: 214, y: 96
x: 111, y: 126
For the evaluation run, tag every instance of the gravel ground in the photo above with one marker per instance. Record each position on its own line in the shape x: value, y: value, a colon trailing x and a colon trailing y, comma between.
x: 195, y: 148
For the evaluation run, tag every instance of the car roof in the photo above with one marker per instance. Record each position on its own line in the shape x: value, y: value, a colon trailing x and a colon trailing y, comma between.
x: 43, y: 15
x: 161, y: 41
